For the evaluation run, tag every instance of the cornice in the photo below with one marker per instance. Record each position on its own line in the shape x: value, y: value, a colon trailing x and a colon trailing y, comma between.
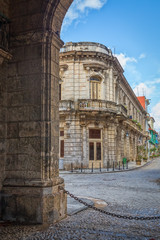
x: 95, y: 65
x: 88, y: 54
x: 125, y: 82
x: 63, y: 67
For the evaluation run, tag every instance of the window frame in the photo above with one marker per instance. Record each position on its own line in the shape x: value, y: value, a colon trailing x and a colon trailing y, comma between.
x: 95, y: 141
x: 61, y: 143
x: 95, y: 87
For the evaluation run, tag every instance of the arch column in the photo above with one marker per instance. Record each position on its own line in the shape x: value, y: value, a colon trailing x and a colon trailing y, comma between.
x: 30, y: 188
x: 31, y: 184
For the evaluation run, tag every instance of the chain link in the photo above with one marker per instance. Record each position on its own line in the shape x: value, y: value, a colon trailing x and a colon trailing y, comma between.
x: 105, y: 212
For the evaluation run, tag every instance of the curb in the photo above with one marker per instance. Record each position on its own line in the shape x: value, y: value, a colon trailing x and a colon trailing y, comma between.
x: 119, y: 171
x: 81, y: 208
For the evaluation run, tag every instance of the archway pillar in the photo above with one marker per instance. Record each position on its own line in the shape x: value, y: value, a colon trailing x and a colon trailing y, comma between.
x: 30, y: 182
x: 31, y: 186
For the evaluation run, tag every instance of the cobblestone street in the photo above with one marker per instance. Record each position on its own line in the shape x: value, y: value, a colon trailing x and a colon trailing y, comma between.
x: 135, y: 193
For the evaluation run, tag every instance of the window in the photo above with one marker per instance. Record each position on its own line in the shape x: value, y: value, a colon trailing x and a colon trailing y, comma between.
x: 91, y: 151
x: 95, y: 133
x: 61, y: 148
x: 98, y: 151
x: 61, y: 141
x: 95, y: 88
x: 95, y: 145
x: 61, y: 133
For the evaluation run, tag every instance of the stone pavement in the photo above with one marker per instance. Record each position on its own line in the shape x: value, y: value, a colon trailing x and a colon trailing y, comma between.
x: 73, y: 206
x: 134, y: 193
x: 86, y: 225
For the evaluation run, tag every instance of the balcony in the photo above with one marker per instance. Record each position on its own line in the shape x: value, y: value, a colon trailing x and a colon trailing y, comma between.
x: 134, y: 125
x: 122, y: 110
x: 66, y: 105
x: 91, y: 105
x: 147, y: 134
x: 96, y: 105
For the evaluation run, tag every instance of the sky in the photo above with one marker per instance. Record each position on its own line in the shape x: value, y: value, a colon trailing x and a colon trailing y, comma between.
x: 131, y: 29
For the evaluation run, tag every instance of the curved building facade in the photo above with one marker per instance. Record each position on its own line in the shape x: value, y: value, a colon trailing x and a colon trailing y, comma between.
x: 101, y: 119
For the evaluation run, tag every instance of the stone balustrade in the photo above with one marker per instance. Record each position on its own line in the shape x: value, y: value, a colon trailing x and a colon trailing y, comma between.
x: 92, y: 105
x: 66, y: 105
x: 86, y: 46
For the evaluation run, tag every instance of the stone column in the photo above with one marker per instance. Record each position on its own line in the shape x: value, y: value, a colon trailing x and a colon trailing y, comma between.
x: 135, y: 146
x: 31, y: 192
x: 134, y: 157
x: 122, y: 144
x: 105, y: 146
x: 110, y: 83
x: 131, y: 145
x: 85, y: 159
x: 127, y: 147
x: 112, y: 143
x: 125, y: 144
x: 119, y: 143
x: 32, y: 179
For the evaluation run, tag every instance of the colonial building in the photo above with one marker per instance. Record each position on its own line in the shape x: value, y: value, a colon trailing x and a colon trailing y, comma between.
x: 101, y: 119
x: 153, y: 142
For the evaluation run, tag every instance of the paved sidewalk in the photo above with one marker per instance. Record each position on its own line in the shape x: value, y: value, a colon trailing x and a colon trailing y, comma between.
x: 74, y: 206
x: 130, y: 166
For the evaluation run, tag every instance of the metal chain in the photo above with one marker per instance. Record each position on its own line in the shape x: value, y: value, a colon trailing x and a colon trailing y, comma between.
x: 108, y: 213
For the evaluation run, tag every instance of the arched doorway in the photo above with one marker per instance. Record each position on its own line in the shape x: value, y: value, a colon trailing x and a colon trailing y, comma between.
x: 31, y: 177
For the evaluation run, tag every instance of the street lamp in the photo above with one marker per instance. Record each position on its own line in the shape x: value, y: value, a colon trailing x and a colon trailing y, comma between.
x: 127, y: 134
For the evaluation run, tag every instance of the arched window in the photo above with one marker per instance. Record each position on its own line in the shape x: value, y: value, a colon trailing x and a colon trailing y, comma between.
x: 95, y: 83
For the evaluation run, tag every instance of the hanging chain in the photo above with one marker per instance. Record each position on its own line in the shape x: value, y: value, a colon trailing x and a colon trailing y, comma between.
x: 105, y: 212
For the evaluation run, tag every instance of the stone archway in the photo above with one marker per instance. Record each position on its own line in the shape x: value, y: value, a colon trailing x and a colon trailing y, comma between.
x: 31, y: 115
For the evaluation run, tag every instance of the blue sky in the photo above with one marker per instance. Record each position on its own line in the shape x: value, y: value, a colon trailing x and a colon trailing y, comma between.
x: 131, y: 29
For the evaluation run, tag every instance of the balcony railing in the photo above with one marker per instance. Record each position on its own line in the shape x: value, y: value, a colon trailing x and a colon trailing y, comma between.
x: 122, y: 109
x: 92, y: 105
x: 66, y: 105
x: 96, y: 105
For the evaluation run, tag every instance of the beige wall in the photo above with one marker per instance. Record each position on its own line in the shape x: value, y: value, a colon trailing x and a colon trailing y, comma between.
x: 78, y: 63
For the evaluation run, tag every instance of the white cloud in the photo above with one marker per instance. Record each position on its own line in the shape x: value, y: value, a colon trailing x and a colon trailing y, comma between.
x: 143, y: 90
x: 142, y: 55
x: 155, y: 81
x: 155, y: 113
x: 79, y: 8
x: 123, y: 59
x: 94, y: 4
x: 70, y: 16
